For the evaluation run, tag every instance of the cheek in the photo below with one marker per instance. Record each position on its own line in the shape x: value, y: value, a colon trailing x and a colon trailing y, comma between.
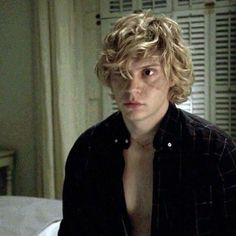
x: 160, y: 88
x: 117, y: 85
x: 161, y: 84
x: 118, y: 88
x: 116, y: 91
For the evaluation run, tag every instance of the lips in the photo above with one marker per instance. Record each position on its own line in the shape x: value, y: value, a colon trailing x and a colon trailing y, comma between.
x: 132, y: 104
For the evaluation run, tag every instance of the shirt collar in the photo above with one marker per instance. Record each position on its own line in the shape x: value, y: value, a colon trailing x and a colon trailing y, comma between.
x: 120, y: 136
x: 167, y: 136
x: 169, y: 131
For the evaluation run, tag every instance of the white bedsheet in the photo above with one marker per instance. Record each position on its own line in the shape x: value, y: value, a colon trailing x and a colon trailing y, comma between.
x: 28, y: 216
x: 51, y: 230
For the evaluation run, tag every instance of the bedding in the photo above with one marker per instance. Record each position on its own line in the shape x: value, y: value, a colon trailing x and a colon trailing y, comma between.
x: 29, y: 216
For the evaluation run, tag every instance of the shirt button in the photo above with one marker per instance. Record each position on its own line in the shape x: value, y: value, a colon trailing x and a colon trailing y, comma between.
x: 169, y: 145
x: 126, y: 141
x: 116, y: 140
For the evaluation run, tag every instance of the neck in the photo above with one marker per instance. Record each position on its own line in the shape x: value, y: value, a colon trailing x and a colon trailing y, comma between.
x: 144, y: 130
x: 141, y: 132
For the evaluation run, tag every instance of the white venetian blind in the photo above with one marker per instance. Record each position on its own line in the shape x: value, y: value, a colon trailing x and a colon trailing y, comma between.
x: 156, y: 5
x: 194, y: 28
x: 225, y: 2
x: 116, y: 8
x: 225, y: 70
x: 188, y: 4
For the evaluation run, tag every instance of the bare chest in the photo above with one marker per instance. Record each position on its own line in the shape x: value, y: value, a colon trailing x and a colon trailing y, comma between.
x: 138, y: 189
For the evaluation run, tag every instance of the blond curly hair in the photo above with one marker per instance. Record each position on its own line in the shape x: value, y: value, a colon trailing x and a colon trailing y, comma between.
x: 142, y: 35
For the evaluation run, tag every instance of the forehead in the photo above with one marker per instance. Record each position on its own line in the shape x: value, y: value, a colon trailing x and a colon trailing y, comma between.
x: 143, y: 62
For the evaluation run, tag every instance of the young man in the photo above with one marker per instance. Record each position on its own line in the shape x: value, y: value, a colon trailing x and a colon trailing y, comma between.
x: 150, y: 169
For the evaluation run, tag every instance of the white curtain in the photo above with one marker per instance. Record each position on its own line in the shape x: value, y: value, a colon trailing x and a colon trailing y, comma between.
x: 57, y: 88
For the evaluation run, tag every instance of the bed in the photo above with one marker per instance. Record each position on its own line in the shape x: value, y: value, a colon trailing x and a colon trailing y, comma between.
x: 29, y: 216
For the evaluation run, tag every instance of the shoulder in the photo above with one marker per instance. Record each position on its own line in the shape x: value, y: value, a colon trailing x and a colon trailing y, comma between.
x: 95, y: 137
x: 102, y: 130
x: 205, y: 135
x: 202, y: 128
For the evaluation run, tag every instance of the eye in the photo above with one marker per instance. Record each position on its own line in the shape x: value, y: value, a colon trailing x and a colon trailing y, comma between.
x: 148, y: 72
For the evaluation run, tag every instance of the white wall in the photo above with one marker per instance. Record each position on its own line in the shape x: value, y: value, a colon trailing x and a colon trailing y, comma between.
x: 91, y: 45
x: 16, y: 94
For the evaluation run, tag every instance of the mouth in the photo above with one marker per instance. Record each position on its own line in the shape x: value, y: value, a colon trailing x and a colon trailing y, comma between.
x: 133, y: 104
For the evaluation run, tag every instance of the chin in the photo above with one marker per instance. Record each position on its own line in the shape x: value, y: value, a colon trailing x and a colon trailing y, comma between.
x: 134, y: 116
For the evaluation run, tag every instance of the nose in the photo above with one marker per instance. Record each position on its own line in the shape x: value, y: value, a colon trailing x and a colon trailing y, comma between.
x: 133, y: 85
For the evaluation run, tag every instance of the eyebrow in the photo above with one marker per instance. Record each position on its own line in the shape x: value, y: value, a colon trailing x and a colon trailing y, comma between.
x: 114, y: 72
x: 149, y: 65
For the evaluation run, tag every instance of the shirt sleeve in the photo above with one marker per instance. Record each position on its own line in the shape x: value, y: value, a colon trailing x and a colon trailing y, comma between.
x: 78, y: 216
x: 227, y: 170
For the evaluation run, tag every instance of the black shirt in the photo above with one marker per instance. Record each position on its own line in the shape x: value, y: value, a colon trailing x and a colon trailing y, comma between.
x: 194, y: 182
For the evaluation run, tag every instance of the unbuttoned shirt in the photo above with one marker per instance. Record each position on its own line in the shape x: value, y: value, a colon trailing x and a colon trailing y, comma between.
x: 194, y: 180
